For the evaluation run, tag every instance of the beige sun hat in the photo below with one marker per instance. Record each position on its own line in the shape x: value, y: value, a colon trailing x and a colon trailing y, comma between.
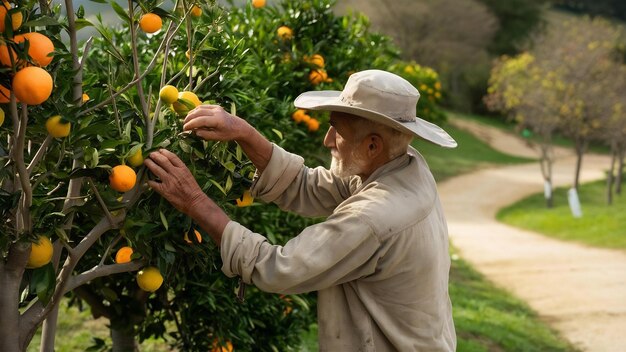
x: 382, y: 97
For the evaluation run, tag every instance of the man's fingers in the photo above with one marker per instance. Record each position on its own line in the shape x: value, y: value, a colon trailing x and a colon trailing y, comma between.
x: 173, y: 158
x: 157, y: 186
x: 199, y: 111
x: 153, y: 164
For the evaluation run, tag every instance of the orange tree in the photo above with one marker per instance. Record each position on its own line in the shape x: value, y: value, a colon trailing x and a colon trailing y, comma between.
x: 253, y: 60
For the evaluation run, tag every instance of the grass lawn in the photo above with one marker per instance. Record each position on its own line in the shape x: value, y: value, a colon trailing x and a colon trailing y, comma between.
x: 489, y: 319
x: 76, y: 330
x: 601, y: 225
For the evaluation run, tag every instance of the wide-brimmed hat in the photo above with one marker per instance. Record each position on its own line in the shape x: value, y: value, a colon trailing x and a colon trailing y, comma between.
x: 382, y: 97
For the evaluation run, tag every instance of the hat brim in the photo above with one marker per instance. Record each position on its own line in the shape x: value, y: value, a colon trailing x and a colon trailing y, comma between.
x: 329, y: 100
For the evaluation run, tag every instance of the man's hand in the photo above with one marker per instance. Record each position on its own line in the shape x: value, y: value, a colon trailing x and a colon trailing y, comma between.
x: 176, y: 183
x: 179, y: 187
x: 212, y: 122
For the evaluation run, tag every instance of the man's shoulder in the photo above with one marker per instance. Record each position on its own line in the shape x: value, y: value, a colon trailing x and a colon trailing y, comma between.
x: 391, y: 207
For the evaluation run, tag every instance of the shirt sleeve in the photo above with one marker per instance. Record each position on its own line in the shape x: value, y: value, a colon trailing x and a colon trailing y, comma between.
x: 297, y: 188
x: 341, y: 249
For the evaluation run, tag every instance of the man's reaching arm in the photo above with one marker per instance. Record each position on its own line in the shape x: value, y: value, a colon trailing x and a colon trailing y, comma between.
x: 212, y: 122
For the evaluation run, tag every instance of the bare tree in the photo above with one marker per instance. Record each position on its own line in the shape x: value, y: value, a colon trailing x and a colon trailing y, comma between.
x: 580, y: 51
x: 450, y: 36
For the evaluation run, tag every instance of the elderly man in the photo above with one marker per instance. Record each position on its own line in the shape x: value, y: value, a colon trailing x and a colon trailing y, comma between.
x: 380, y: 261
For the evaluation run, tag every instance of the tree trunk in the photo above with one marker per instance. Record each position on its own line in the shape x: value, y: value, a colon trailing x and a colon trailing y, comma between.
x: 609, y: 179
x: 11, y: 273
x: 10, y: 317
x: 620, y: 171
x: 580, y: 150
x: 123, y: 341
x: 545, y: 162
x: 48, y: 331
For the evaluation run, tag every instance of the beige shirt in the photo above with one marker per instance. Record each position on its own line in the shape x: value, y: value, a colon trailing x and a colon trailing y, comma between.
x: 380, y: 261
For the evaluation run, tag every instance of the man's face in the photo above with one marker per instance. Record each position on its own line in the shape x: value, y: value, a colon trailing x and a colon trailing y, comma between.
x: 340, y: 139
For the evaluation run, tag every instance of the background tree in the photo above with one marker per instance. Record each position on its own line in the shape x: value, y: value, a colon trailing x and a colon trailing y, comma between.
x: 519, y: 20
x: 531, y: 96
x: 582, y: 51
x: 450, y: 36
x: 605, y: 8
x: 613, y: 123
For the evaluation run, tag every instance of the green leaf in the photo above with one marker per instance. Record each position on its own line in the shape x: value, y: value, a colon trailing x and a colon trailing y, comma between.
x: 134, y: 149
x: 163, y: 220
x: 168, y: 247
x: 109, y: 294
x: 43, y: 21
x: 60, y: 232
x: 121, y: 13
x: 127, y: 129
x: 238, y: 153
x: 91, y: 157
x: 229, y: 184
x: 82, y: 23
x: 278, y: 133
x: 42, y: 283
x: 218, y: 186
x: 230, y: 166
x: 80, y: 13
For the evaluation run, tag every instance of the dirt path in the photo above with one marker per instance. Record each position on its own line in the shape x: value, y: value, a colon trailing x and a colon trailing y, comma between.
x: 578, y: 290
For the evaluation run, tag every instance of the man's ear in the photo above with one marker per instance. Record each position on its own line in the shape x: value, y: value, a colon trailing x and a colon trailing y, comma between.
x: 374, y: 145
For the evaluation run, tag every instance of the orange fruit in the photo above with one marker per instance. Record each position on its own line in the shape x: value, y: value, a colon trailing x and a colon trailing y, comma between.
x: 198, y: 236
x: 122, y: 178
x: 298, y: 116
x: 5, y: 94
x: 313, y: 124
x: 16, y: 17
x: 196, y: 11
x: 258, y: 3
x: 245, y: 200
x: 123, y: 255
x: 150, y: 22
x: 149, y: 279
x: 317, y: 60
x: 186, y: 102
x: 227, y: 347
x: 40, y: 253
x: 318, y: 76
x: 32, y: 85
x: 85, y: 97
x: 284, y: 33
x: 168, y: 94
x: 57, y: 128
x: 40, y: 48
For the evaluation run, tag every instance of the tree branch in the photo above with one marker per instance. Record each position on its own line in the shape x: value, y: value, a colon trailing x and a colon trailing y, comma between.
x: 148, y: 69
x: 40, y: 153
x: 100, y: 271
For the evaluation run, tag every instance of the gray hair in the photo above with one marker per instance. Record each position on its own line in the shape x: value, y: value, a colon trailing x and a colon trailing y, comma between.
x: 397, y: 141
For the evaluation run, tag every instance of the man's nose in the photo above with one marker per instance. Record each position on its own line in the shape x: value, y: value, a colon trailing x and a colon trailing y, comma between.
x: 329, y: 140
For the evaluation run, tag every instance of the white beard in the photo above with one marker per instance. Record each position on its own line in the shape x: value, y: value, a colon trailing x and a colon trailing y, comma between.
x: 342, y: 168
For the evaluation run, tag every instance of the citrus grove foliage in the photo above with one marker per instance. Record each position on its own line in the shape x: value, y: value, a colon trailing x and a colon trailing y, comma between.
x: 72, y: 171
x: 570, y: 82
